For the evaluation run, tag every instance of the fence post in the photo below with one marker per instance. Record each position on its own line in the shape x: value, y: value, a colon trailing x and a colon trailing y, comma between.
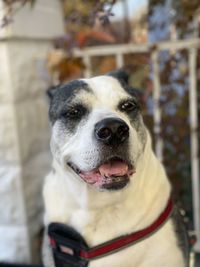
x: 194, y: 142
x: 157, y: 110
x: 87, y: 62
x: 119, y: 60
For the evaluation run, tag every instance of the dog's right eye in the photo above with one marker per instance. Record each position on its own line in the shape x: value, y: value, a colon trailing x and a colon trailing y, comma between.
x: 74, y: 112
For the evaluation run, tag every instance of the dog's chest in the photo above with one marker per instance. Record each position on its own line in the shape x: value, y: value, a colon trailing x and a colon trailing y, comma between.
x: 95, y: 228
x: 99, y: 226
x: 158, y: 250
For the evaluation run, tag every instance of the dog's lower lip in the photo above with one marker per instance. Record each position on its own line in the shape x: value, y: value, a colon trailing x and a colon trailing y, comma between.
x: 118, y: 184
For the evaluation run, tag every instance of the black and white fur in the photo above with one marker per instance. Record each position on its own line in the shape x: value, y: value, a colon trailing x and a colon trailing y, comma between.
x: 100, y: 215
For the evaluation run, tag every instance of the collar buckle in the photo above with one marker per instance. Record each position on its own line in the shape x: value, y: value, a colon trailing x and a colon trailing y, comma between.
x: 66, y: 246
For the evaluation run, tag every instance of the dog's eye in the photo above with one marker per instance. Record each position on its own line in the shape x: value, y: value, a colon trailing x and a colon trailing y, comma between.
x: 75, y: 112
x: 128, y: 106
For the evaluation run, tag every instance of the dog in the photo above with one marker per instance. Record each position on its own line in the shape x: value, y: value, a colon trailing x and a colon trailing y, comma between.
x: 106, y: 181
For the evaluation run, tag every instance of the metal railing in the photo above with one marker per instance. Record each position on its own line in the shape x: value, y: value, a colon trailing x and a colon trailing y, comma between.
x: 191, y: 45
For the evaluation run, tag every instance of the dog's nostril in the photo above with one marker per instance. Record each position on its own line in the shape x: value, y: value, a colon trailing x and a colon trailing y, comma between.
x: 122, y: 131
x: 104, y: 133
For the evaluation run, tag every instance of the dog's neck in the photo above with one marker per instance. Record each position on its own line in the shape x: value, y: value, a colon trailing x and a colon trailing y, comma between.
x: 141, y: 202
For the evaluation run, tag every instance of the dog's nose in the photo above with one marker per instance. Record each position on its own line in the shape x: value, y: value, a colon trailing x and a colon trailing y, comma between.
x: 111, y: 131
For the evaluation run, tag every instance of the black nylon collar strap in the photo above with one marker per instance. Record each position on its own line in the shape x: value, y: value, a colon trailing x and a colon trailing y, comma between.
x: 71, y: 250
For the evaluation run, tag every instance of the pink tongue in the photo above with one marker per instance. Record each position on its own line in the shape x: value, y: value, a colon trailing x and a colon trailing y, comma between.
x: 116, y: 168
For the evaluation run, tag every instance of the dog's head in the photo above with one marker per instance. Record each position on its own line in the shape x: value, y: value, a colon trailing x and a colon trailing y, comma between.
x: 97, y: 130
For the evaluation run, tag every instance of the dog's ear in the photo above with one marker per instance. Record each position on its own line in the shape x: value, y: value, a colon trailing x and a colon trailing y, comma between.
x: 51, y: 91
x: 122, y: 75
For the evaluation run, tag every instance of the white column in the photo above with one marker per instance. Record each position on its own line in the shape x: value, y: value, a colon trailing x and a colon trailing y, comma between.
x: 24, y: 134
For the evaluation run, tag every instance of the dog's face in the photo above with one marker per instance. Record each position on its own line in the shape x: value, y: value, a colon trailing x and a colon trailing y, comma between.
x: 97, y: 130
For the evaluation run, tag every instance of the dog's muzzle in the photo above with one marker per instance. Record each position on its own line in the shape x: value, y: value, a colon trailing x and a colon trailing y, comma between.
x: 114, y: 169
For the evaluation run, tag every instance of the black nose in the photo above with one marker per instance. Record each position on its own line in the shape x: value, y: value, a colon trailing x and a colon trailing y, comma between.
x: 111, y: 131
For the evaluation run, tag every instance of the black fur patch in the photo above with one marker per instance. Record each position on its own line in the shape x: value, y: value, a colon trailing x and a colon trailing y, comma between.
x: 133, y: 113
x: 61, y: 97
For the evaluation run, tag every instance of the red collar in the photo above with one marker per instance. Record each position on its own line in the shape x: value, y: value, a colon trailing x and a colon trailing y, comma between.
x: 66, y: 241
x: 127, y: 240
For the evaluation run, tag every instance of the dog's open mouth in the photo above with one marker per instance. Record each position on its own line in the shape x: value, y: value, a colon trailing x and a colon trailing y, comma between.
x: 113, y: 174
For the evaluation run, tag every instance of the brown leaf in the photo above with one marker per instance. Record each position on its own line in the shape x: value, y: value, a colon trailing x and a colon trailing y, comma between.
x: 84, y: 36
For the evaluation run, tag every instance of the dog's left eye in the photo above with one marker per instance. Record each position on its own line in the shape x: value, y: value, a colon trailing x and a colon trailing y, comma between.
x: 128, y: 106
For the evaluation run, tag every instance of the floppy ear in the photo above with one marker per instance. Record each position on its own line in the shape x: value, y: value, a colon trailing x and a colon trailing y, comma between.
x: 122, y: 75
x: 51, y: 91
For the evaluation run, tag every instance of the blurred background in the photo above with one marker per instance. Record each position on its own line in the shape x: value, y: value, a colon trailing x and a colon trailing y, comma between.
x: 47, y: 42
